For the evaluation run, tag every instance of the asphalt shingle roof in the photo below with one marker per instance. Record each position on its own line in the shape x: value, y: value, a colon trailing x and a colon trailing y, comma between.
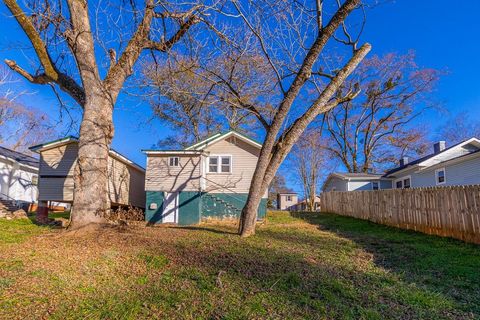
x: 19, y: 157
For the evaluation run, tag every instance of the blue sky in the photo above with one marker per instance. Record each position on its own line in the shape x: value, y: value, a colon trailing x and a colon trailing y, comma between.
x: 443, y: 34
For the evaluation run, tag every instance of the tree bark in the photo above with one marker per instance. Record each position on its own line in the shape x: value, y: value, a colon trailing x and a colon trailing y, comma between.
x: 274, y: 152
x: 91, y: 199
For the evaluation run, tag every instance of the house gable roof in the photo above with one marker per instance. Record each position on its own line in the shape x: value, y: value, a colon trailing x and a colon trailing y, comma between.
x: 72, y: 139
x: 219, y: 136
x: 448, y: 154
x: 19, y: 157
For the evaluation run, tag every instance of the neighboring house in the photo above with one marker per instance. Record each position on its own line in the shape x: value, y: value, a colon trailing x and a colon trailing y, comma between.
x: 18, y: 179
x: 210, y: 179
x: 355, y: 182
x: 57, y: 162
x: 286, y: 199
x: 452, y: 166
x: 456, y: 165
x: 302, y: 205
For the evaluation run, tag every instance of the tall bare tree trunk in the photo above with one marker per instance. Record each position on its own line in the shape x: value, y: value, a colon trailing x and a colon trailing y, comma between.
x: 91, y: 198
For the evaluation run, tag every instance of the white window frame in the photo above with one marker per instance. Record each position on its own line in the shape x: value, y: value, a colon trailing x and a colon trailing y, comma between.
x: 378, y: 184
x: 407, y: 178
x: 402, y: 180
x: 395, y: 183
x: 444, y: 176
x: 174, y: 158
x: 219, y: 163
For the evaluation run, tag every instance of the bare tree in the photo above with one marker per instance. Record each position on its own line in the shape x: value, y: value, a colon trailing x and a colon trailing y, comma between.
x: 66, y: 37
x: 186, y: 94
x: 459, y: 128
x: 374, y: 129
x: 308, y: 157
x: 289, y: 37
x: 20, y: 127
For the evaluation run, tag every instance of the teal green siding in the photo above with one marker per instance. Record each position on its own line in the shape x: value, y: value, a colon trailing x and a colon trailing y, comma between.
x: 189, y: 207
x: 217, y: 209
x: 154, y: 215
x: 196, y: 205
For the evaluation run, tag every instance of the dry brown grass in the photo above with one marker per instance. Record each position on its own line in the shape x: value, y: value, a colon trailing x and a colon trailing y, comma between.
x: 291, y: 269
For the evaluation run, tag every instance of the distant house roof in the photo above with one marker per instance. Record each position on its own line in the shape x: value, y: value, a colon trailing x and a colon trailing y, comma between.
x: 70, y: 139
x: 435, y: 158
x: 357, y: 175
x: 19, y: 157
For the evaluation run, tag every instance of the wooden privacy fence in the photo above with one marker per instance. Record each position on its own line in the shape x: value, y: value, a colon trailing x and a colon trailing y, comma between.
x: 443, y: 211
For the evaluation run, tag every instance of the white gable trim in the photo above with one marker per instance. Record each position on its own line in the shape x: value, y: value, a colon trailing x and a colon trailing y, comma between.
x: 451, y: 151
x: 206, y: 143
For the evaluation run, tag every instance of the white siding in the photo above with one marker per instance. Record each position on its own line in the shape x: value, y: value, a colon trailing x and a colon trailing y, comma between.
x: 336, y: 184
x: 161, y: 177
x: 16, y: 181
x: 283, y: 203
x: 359, y: 185
x: 244, y: 161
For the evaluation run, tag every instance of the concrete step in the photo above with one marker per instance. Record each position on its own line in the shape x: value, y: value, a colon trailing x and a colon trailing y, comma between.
x: 8, y: 205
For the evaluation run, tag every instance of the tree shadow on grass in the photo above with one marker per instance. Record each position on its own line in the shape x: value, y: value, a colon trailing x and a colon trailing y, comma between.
x: 265, y: 275
x: 207, y: 229
x: 270, y: 276
x: 443, y: 265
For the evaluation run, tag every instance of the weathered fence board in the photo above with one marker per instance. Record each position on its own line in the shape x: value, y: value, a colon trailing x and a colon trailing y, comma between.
x: 444, y: 211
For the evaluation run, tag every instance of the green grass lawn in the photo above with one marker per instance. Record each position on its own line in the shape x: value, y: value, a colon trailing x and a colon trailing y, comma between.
x: 306, y: 266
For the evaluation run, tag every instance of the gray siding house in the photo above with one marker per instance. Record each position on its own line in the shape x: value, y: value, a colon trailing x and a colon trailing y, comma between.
x: 356, y: 182
x: 456, y: 165
x: 452, y: 166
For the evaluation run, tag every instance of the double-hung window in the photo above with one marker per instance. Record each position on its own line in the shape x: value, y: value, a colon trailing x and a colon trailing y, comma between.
x: 173, y: 161
x: 440, y: 176
x: 289, y: 198
x: 220, y: 164
x: 404, y: 183
x: 375, y: 185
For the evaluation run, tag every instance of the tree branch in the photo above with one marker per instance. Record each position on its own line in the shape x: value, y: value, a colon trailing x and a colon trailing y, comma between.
x: 50, y: 74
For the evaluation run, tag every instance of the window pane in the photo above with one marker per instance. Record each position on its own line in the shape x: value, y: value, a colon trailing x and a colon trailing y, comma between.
x: 406, y: 183
x: 225, y: 160
x: 213, y: 160
x: 173, y: 161
x: 399, y: 184
x: 225, y: 168
x: 212, y: 169
x: 441, y: 176
x: 375, y: 185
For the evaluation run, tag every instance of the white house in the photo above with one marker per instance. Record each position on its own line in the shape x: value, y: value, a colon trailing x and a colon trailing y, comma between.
x: 18, y: 179
x: 286, y: 199
x: 455, y: 165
